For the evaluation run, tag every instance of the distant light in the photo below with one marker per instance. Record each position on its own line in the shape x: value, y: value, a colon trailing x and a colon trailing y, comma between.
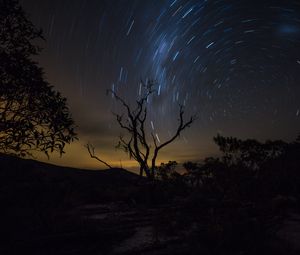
x: 196, y: 59
x: 121, y: 72
x: 140, y: 89
x: 238, y: 42
x: 174, y: 2
x: 187, y: 13
x: 193, y: 37
x: 209, y: 45
x: 249, y: 31
x: 152, y: 125
x: 157, y: 137
x: 128, y: 32
x: 175, y: 56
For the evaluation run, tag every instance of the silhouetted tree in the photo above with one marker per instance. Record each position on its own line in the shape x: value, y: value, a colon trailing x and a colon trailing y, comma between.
x: 133, y: 121
x: 249, y: 152
x: 197, y: 173
x: 166, y: 171
x: 33, y: 116
x: 91, y: 150
x: 137, y: 146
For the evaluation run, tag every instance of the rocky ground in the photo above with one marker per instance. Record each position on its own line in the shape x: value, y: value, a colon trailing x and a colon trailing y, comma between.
x: 140, y: 231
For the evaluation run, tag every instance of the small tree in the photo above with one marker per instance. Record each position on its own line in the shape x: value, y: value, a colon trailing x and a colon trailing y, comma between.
x: 133, y: 122
x: 250, y: 153
x: 166, y: 171
x: 33, y: 116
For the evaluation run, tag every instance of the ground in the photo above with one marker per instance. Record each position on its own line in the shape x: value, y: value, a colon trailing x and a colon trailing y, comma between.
x: 54, y: 210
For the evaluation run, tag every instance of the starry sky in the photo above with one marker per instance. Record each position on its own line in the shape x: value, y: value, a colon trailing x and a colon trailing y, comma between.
x: 233, y: 63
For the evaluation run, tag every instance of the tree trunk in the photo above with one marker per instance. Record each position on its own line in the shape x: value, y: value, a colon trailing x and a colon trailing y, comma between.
x: 141, y: 171
x: 145, y: 169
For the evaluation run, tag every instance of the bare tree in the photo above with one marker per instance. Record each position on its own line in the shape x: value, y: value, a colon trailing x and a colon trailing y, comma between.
x: 133, y: 122
x: 91, y: 150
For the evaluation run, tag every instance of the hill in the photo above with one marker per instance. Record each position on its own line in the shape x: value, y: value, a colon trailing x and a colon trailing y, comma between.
x: 27, y: 180
x: 38, y: 201
x: 16, y: 167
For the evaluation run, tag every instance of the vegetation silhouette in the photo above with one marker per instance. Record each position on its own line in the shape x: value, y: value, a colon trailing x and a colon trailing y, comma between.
x: 137, y: 143
x: 33, y: 116
x: 224, y: 205
x: 235, y: 204
x: 232, y: 204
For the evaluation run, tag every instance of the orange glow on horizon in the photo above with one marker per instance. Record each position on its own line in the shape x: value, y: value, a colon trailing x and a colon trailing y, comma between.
x: 77, y: 156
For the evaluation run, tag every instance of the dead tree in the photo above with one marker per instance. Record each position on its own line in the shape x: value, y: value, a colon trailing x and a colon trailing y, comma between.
x: 133, y: 122
x: 91, y: 150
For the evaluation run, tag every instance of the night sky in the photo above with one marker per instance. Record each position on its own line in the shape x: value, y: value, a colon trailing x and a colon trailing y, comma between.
x: 236, y: 64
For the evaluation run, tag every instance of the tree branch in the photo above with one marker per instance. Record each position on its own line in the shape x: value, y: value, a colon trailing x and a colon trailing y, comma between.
x: 91, y: 151
x: 180, y: 128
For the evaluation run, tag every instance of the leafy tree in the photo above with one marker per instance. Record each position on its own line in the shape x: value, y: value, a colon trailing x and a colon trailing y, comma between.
x: 250, y: 153
x: 197, y: 173
x: 33, y: 116
x: 166, y: 171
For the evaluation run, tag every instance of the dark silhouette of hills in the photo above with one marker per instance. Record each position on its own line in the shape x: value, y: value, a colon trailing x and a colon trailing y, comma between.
x: 16, y: 170
x: 14, y: 163
x: 38, y: 206
x: 27, y: 181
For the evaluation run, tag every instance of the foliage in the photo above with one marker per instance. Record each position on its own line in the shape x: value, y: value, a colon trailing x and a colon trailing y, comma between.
x: 166, y: 171
x: 249, y: 152
x: 33, y: 116
x: 197, y: 174
x: 237, y: 201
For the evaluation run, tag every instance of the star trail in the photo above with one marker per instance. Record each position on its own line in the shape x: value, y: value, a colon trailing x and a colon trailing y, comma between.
x: 236, y: 64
